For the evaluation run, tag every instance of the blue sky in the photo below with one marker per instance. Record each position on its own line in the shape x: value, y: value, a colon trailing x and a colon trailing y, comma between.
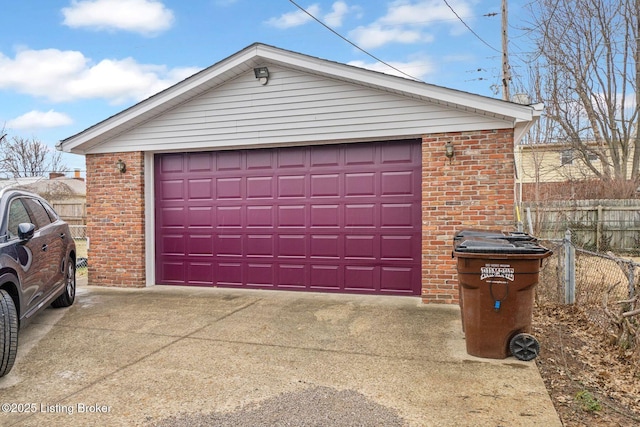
x: 68, y: 64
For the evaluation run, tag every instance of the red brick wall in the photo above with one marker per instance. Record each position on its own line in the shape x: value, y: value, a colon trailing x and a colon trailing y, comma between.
x: 115, y: 220
x: 473, y: 190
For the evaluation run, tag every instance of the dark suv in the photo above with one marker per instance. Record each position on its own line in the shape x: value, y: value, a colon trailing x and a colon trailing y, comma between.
x: 37, y: 265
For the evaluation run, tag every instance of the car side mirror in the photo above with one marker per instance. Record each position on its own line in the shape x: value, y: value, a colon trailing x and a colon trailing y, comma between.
x: 25, y: 231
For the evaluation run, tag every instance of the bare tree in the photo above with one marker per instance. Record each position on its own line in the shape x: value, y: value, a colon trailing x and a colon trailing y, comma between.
x: 588, y: 52
x: 21, y: 157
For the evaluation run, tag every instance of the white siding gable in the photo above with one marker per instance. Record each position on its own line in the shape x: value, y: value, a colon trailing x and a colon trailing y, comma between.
x: 293, y: 108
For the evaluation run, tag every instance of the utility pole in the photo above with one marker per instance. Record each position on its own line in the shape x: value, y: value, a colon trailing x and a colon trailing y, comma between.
x: 506, y: 71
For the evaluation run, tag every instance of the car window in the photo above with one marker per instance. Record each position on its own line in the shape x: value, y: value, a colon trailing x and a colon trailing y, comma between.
x: 40, y: 215
x: 53, y: 216
x: 17, y: 214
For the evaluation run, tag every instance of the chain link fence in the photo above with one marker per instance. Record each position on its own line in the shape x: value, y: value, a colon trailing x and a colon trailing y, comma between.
x: 79, y: 234
x: 604, y: 286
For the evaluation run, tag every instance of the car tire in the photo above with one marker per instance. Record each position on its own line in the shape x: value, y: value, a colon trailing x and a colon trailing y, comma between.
x: 8, y: 332
x: 69, y: 294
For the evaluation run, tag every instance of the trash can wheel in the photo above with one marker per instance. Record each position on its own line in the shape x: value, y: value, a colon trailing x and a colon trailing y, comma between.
x: 524, y: 347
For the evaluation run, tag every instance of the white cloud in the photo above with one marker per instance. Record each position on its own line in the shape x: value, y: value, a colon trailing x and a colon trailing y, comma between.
x: 147, y: 17
x: 418, y: 68
x: 68, y: 75
x: 338, y: 13
x: 375, y: 36
x: 407, y: 22
x: 334, y: 19
x: 39, y: 120
x: 294, y: 19
x: 425, y: 12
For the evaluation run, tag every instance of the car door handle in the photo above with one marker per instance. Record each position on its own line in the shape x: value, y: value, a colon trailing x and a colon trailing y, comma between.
x: 45, y: 247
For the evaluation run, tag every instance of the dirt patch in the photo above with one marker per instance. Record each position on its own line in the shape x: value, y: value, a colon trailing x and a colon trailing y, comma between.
x: 312, y: 407
x: 591, y: 381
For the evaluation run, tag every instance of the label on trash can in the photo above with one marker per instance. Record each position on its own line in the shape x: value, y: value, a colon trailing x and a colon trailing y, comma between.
x: 502, y: 271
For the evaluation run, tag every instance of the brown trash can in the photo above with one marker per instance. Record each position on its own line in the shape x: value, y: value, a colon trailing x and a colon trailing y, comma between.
x: 475, y: 233
x: 496, y: 278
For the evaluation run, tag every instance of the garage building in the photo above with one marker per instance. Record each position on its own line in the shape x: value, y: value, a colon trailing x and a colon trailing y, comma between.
x: 276, y: 170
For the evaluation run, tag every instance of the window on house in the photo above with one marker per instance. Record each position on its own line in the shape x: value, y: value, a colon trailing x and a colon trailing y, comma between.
x: 566, y: 157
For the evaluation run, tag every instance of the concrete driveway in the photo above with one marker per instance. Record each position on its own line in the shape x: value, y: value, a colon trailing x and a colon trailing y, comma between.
x: 188, y: 356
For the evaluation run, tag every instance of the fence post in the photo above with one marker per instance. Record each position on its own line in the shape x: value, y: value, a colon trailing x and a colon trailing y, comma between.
x: 599, y: 221
x: 569, y: 269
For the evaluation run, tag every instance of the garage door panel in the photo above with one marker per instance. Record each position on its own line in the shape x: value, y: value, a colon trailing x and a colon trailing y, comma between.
x: 200, y: 245
x: 323, y: 157
x: 335, y: 218
x: 292, y: 186
x: 325, y: 246
x: 228, y: 160
x: 397, y: 215
x: 171, y: 163
x: 228, y: 245
x: 361, y: 247
x: 292, y: 246
x: 398, y: 153
x: 292, y: 157
x: 199, y: 273
x: 173, y: 272
x: 327, y: 185
x: 173, y: 217
x: 398, y: 183
x: 261, y: 245
x: 394, y: 279
x: 173, y: 244
x: 397, y: 247
x: 361, y: 215
x: 292, y: 276
x: 229, y: 216
x: 260, y: 275
x: 360, y: 184
x: 200, y: 217
x: 199, y: 162
x: 325, y: 277
x: 361, y: 278
x: 260, y: 187
x: 259, y: 159
x: 260, y: 216
x: 323, y: 216
x: 201, y: 188
x: 362, y: 154
x: 292, y: 216
x: 229, y: 274
x: 173, y: 189
x: 229, y: 188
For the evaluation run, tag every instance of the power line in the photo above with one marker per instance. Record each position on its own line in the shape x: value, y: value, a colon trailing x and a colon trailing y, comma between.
x: 352, y: 43
x: 468, y: 27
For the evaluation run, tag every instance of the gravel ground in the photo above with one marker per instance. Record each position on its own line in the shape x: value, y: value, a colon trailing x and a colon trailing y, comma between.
x: 315, y: 406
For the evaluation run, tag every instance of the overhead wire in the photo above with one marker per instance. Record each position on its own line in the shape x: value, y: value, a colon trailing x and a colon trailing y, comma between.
x: 352, y: 43
x: 469, y: 28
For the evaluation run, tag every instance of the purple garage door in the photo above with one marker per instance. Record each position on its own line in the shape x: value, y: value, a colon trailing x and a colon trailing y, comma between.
x: 331, y: 218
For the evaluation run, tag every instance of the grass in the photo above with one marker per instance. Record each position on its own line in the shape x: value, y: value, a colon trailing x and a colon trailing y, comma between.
x: 588, y: 401
x: 81, y: 248
x: 81, y: 252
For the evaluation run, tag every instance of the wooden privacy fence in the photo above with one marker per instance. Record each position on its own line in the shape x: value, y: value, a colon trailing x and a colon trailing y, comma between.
x: 602, y: 225
x: 75, y: 213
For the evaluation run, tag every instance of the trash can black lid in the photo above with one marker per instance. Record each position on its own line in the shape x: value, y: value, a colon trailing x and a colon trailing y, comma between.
x: 512, y: 236
x: 499, y: 246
